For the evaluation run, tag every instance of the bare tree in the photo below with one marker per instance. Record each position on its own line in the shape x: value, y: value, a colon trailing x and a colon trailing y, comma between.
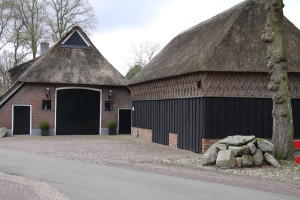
x: 6, y: 63
x: 283, y: 133
x: 143, y: 53
x: 32, y: 14
x: 5, y: 17
x: 17, y: 37
x: 65, y: 14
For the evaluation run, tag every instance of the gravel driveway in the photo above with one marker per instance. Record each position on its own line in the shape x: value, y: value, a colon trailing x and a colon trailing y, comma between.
x: 134, y: 153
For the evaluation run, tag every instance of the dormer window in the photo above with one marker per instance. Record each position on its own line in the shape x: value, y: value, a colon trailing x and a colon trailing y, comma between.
x: 75, y: 40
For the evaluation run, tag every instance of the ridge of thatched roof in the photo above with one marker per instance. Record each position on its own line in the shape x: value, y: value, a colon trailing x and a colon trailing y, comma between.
x: 73, y: 64
x: 228, y: 42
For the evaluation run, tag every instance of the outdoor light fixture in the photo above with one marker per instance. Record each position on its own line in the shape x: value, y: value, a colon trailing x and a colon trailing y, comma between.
x: 47, y: 91
x: 109, y: 94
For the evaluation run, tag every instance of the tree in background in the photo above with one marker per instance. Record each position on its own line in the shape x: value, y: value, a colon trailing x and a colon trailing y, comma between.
x: 283, y: 133
x: 64, y: 14
x: 33, y: 18
x: 143, y: 53
x: 5, y: 18
x: 6, y: 62
x: 25, y: 23
x: 133, y: 70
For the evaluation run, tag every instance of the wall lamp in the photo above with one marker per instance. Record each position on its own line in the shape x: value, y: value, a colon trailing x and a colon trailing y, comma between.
x: 47, y: 91
x: 109, y: 94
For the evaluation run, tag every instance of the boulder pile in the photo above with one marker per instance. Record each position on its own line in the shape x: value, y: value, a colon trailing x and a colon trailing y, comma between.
x: 240, y: 151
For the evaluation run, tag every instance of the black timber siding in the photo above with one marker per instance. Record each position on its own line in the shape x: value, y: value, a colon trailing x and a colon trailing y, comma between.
x: 180, y: 116
x: 238, y: 116
x: 196, y: 118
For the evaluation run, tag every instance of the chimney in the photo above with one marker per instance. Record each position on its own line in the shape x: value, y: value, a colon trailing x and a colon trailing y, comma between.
x: 43, y: 47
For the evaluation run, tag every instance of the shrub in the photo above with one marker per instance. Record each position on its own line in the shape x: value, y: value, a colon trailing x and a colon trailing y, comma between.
x: 111, y: 125
x: 44, y: 125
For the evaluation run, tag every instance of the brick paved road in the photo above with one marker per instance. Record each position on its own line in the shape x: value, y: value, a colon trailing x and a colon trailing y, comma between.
x: 10, y: 190
x: 14, y: 187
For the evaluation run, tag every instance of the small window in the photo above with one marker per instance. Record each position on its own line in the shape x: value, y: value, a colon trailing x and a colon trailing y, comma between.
x: 108, y: 105
x: 198, y: 84
x: 46, y: 105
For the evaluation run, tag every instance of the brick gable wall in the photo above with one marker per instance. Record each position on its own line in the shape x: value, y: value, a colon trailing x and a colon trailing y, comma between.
x: 33, y: 94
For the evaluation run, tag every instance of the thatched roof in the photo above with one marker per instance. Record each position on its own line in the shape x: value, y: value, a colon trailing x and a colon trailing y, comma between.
x: 65, y: 63
x: 228, y: 42
x: 17, y: 71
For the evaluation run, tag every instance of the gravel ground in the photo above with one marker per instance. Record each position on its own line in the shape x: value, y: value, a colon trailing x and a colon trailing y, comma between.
x: 134, y: 153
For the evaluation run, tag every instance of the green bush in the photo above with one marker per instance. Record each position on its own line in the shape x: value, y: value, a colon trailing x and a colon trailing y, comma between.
x: 111, y: 125
x: 44, y: 125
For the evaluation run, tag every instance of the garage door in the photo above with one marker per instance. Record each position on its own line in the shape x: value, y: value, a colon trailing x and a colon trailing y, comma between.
x: 77, y: 112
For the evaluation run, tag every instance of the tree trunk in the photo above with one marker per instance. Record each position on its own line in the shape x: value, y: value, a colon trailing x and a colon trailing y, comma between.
x: 283, y: 132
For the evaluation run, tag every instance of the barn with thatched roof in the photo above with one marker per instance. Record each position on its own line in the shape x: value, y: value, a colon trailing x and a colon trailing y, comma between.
x: 72, y: 86
x: 211, y: 81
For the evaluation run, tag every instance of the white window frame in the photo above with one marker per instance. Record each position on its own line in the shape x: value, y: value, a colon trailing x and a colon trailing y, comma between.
x: 86, y: 42
x: 12, y: 118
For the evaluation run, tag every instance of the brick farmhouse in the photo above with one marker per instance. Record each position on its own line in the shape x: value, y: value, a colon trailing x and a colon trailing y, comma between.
x: 72, y: 86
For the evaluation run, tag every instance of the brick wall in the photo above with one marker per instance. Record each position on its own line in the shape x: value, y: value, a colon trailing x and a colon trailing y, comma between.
x: 33, y: 94
x: 143, y: 133
x: 208, y: 142
x: 30, y: 94
x: 173, y: 140
x: 121, y: 99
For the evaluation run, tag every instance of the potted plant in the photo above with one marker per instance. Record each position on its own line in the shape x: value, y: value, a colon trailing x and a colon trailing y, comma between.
x: 112, y: 127
x: 44, y: 126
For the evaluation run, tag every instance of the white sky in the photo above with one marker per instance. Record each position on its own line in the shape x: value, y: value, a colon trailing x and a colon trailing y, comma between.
x: 124, y: 23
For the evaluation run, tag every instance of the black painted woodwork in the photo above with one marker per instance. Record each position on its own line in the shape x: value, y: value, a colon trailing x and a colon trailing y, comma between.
x: 75, y: 39
x: 46, y: 104
x: 196, y: 118
x: 78, y: 112
x: 124, y: 121
x: 21, y: 120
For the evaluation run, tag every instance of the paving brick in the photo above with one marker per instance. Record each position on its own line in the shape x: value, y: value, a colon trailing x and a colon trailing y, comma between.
x: 14, y: 187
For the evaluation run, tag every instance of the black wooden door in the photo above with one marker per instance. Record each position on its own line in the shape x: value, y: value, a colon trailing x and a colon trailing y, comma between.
x: 21, y: 120
x: 124, y: 121
x: 78, y: 112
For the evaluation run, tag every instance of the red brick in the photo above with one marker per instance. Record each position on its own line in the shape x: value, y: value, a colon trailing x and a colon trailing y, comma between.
x: 173, y: 140
x: 33, y: 94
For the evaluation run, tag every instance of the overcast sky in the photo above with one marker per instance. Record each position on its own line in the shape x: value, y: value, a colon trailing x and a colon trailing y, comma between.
x: 124, y: 23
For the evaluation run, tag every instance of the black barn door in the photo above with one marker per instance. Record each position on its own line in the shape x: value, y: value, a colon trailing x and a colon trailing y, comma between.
x: 21, y: 120
x: 78, y: 112
x: 124, y: 121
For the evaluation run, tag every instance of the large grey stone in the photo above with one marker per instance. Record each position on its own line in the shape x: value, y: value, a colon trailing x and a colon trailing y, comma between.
x: 239, y: 150
x: 237, y: 140
x: 238, y: 162
x: 210, y: 156
x: 258, y: 158
x: 270, y: 159
x: 265, y: 145
x: 247, y: 161
x: 3, y: 132
x: 222, y: 147
x: 226, y: 159
x: 252, y: 148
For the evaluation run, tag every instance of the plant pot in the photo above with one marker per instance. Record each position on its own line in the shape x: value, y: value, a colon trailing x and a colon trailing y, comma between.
x: 112, y: 131
x: 45, y: 132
